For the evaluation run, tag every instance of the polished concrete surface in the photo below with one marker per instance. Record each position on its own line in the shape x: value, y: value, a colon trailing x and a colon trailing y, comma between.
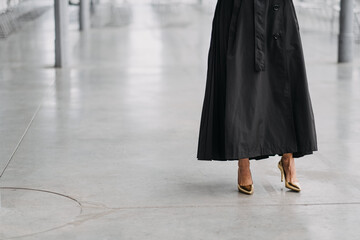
x: 106, y: 149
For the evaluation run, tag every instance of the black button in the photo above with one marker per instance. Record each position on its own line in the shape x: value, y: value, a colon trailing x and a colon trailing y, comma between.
x: 276, y: 36
x: 276, y: 7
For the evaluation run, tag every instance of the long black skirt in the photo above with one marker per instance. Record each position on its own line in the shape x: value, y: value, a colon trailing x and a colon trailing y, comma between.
x: 257, y: 102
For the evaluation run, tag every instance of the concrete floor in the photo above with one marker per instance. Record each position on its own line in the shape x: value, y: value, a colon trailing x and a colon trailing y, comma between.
x: 106, y: 149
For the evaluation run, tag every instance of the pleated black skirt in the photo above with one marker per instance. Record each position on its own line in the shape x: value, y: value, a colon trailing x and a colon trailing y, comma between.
x: 257, y: 102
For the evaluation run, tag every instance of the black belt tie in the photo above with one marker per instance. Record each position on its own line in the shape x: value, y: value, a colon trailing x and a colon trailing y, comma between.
x: 259, y: 25
x: 259, y: 15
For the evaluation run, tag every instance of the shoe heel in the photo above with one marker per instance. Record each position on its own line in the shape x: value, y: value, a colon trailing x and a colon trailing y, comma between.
x: 282, y: 172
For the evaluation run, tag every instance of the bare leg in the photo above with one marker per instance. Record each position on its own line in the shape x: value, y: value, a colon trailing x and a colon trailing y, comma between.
x: 244, y: 177
x: 289, y: 167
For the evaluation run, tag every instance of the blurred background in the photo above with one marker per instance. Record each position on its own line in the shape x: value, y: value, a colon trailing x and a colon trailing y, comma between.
x: 314, y: 15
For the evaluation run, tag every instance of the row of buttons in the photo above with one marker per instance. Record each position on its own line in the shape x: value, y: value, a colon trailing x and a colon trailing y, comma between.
x: 276, y: 7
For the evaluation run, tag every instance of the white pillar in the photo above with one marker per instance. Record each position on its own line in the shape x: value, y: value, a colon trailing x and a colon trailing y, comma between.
x: 346, y: 35
x: 61, y: 33
x: 84, y: 15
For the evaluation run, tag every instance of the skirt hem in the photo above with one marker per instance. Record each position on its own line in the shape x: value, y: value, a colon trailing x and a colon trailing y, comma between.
x: 296, y: 154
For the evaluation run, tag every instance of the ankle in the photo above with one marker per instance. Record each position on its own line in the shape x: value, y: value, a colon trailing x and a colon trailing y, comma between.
x: 244, y: 173
x: 287, y: 156
x: 244, y: 162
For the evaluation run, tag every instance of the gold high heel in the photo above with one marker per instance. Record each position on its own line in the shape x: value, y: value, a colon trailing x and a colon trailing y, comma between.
x: 291, y: 185
x: 249, y: 189
x: 246, y: 189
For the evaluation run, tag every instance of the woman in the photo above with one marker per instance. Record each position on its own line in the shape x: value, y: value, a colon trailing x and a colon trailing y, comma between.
x: 257, y: 102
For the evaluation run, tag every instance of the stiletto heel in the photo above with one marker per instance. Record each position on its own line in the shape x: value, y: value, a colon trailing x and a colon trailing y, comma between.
x: 295, y: 186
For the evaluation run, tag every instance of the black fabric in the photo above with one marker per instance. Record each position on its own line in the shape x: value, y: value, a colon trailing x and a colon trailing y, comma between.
x: 257, y: 101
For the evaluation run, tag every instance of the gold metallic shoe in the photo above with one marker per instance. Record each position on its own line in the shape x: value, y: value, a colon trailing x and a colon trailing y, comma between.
x: 246, y: 189
x: 249, y: 189
x: 295, y: 186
